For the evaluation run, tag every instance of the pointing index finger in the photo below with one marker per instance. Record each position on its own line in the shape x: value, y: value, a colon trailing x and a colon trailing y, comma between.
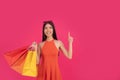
x: 68, y: 33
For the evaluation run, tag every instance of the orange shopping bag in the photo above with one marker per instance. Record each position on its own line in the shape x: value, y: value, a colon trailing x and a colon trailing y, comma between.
x: 16, y: 58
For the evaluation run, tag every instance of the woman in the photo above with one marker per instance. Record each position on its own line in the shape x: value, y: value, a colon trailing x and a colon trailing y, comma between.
x: 47, y: 52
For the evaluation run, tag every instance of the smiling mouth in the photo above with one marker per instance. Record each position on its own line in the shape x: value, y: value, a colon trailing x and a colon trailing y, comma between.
x: 48, y: 33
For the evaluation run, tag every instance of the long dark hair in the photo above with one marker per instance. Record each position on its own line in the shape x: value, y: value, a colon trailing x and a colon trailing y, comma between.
x: 44, y: 37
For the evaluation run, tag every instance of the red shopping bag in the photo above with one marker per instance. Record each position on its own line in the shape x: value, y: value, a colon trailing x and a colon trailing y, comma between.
x: 16, y: 58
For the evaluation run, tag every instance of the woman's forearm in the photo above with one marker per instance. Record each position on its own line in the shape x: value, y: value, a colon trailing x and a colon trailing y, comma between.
x: 37, y: 56
x: 70, y: 50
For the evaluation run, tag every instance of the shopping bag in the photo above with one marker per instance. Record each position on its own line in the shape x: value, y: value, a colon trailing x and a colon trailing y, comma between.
x: 30, y: 66
x: 16, y: 58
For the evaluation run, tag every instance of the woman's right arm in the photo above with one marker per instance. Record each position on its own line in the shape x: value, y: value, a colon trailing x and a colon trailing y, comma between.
x: 36, y: 47
x: 38, y: 53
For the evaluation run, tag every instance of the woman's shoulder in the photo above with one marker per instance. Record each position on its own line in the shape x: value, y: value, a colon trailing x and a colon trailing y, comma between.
x: 40, y: 44
x: 58, y: 42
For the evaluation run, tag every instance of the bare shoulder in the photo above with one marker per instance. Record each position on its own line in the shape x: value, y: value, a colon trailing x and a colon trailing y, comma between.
x: 58, y: 42
x: 41, y: 44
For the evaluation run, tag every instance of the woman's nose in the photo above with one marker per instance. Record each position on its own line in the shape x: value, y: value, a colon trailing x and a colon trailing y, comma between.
x: 48, y: 29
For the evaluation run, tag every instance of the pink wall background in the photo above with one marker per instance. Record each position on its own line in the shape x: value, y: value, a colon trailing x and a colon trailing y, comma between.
x: 95, y: 26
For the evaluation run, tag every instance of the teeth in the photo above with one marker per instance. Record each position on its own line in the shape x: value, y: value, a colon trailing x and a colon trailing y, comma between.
x: 48, y: 32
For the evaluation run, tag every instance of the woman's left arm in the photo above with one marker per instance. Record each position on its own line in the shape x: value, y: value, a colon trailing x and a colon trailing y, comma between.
x: 67, y: 53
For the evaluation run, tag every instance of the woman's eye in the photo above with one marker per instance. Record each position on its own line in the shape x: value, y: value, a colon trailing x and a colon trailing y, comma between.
x: 50, y: 27
x: 45, y: 27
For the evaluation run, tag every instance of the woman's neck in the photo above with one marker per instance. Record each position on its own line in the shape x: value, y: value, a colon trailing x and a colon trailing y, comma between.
x: 49, y: 38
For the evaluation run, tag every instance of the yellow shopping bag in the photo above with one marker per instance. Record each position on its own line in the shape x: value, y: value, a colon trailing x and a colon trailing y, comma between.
x: 30, y: 67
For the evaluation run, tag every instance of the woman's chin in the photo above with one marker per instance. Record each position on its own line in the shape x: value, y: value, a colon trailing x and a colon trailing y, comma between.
x: 49, y: 35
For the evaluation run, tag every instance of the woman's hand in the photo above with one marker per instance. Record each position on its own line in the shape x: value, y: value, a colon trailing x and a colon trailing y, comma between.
x: 33, y: 46
x: 70, y: 38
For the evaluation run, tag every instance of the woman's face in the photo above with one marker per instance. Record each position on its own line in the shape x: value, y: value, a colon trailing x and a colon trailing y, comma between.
x: 48, y: 30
